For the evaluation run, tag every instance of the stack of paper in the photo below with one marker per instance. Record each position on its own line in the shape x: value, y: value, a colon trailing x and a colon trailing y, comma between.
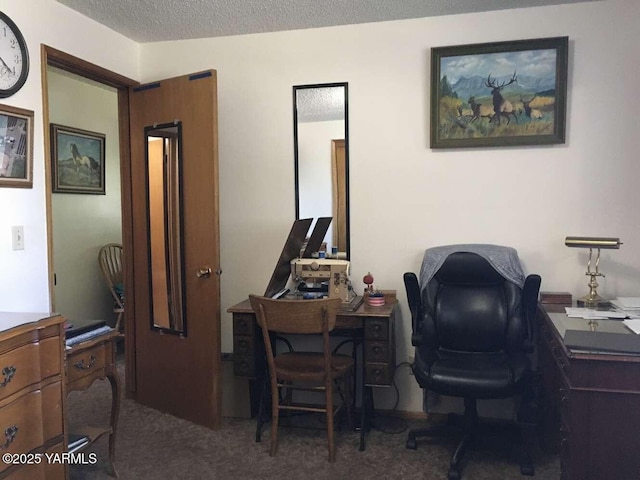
x: 633, y: 324
x: 593, y: 314
x: 629, y: 305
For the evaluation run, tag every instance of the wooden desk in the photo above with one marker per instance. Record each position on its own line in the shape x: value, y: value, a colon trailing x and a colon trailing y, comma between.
x: 31, y: 394
x: 591, y: 403
x: 86, y: 362
x: 373, y: 326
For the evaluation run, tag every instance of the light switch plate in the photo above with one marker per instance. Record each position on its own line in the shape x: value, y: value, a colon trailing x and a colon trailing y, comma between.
x: 17, y: 237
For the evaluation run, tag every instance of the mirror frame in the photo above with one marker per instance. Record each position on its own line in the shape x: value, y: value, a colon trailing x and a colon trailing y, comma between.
x: 148, y: 131
x: 345, y: 85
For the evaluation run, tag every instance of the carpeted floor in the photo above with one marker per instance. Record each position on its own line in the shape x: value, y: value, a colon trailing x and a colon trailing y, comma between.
x: 153, y: 445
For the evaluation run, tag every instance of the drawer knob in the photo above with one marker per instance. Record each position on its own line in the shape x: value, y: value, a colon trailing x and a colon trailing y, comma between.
x: 10, y: 433
x: 81, y: 366
x: 377, y: 350
x: 7, y: 373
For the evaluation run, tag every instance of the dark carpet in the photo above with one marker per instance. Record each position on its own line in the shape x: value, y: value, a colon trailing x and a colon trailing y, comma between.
x: 154, y: 445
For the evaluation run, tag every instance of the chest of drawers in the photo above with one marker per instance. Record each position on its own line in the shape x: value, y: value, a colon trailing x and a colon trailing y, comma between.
x: 31, y: 393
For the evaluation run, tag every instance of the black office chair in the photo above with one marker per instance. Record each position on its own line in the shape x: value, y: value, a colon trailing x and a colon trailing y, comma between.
x: 473, y: 331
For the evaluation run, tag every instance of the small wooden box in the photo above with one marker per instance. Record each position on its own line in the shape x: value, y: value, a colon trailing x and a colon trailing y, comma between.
x: 555, y: 298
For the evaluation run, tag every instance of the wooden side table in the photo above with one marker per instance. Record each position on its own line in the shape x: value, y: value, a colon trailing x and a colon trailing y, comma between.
x: 86, y: 362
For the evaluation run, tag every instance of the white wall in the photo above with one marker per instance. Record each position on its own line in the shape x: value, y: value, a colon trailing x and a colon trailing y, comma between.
x: 83, y: 223
x: 528, y: 198
x: 23, y: 273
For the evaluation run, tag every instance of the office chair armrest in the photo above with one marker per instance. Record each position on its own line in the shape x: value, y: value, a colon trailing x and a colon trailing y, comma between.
x: 530, y: 293
x: 415, y: 305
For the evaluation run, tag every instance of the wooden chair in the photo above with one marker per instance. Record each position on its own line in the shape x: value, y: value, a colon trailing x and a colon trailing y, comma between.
x: 315, y: 371
x: 110, y: 260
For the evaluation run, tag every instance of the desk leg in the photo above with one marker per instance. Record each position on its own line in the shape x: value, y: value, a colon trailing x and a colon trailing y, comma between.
x: 115, y: 411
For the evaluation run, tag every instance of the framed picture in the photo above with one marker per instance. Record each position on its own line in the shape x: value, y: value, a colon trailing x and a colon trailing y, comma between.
x: 16, y: 147
x: 77, y: 157
x: 499, y: 94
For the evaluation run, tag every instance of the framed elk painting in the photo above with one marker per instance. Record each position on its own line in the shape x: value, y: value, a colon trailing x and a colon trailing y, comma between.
x: 77, y: 158
x: 499, y: 94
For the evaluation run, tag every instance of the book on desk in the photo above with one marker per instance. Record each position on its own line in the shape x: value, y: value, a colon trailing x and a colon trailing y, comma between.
x: 605, y: 342
x: 87, y: 331
x: 596, y: 340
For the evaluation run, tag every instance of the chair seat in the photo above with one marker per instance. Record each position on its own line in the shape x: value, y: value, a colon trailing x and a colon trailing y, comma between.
x: 309, y: 366
x: 496, y: 375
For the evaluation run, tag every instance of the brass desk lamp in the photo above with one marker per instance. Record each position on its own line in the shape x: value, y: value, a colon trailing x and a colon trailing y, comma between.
x: 592, y: 299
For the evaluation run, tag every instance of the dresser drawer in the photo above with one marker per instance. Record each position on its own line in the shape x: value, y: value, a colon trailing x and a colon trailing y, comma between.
x: 28, y: 364
x: 31, y: 420
x: 87, y: 362
x: 44, y: 470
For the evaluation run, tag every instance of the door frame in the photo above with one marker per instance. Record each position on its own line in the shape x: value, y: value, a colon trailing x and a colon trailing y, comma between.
x: 64, y: 61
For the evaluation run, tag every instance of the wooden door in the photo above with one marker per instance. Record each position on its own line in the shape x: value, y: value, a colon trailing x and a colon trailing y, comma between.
x: 180, y: 373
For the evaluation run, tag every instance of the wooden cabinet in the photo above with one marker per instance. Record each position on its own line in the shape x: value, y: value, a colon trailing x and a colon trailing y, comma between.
x: 31, y: 393
x: 591, y: 406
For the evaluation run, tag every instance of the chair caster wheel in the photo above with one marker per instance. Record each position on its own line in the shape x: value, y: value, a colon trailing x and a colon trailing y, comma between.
x: 453, y: 474
x: 527, y: 470
x: 411, y: 443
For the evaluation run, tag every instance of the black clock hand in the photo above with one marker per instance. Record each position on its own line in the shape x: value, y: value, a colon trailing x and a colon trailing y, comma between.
x: 5, y: 65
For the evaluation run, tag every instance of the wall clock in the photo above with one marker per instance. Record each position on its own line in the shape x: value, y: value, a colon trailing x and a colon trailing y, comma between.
x: 14, y: 57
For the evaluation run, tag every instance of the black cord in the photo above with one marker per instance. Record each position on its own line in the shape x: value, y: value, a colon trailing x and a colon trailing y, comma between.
x: 401, y: 422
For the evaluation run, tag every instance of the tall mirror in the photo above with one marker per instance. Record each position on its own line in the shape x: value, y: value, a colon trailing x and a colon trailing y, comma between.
x: 321, y: 149
x: 164, y: 189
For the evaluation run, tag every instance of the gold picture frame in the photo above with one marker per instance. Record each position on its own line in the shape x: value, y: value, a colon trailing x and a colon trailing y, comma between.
x: 16, y: 147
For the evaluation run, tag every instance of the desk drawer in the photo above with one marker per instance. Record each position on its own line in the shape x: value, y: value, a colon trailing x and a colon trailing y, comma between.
x: 557, y: 351
x: 29, y: 364
x: 244, y: 366
x: 86, y: 362
x: 244, y: 324
x: 376, y: 329
x: 377, y: 352
x: 243, y: 345
x: 377, y: 374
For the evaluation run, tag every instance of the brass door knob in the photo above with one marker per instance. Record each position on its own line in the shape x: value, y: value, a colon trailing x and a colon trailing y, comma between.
x: 204, y: 272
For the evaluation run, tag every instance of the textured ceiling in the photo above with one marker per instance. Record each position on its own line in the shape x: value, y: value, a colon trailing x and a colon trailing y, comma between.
x: 320, y: 104
x: 158, y: 20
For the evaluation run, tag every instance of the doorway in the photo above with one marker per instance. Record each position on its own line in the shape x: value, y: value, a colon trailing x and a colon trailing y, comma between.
x: 84, y: 115
x: 51, y: 57
x: 194, y: 346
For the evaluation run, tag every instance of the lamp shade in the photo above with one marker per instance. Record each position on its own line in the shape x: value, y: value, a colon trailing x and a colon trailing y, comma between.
x: 593, y: 242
